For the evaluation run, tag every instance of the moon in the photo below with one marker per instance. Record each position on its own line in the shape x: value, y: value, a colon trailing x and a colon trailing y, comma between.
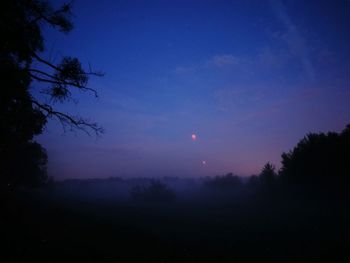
x: 194, y: 137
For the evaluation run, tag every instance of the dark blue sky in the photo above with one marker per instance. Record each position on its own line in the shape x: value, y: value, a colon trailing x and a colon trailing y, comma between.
x: 250, y: 78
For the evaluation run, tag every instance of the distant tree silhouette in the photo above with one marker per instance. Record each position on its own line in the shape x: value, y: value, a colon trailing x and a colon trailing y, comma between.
x: 268, y: 174
x: 156, y: 191
x: 228, y: 181
x: 22, y: 68
x: 319, y: 159
x: 253, y: 181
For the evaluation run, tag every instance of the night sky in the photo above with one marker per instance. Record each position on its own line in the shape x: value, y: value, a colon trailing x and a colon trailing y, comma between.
x: 248, y: 78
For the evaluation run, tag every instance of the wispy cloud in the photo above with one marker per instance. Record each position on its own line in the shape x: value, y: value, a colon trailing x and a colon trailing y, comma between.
x: 264, y: 60
x: 293, y: 38
x: 223, y: 60
x: 185, y: 70
x: 291, y: 46
x: 217, y: 61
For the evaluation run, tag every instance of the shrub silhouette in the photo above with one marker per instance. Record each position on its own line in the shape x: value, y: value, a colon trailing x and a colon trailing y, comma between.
x: 156, y: 191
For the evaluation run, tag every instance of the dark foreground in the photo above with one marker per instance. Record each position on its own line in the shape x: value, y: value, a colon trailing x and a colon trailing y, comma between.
x: 276, y: 227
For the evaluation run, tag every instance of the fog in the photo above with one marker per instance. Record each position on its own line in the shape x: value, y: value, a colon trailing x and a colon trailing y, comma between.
x: 118, y: 190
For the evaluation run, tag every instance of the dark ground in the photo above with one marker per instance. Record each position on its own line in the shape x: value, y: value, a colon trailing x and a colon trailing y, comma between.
x: 275, y: 227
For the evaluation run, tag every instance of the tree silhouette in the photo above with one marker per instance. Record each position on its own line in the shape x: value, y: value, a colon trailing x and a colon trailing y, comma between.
x: 253, y: 181
x: 22, y: 68
x: 228, y: 182
x: 319, y: 159
x: 268, y: 175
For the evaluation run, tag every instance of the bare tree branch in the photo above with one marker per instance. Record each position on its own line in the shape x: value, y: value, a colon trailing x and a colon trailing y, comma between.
x: 65, y: 119
x: 64, y: 77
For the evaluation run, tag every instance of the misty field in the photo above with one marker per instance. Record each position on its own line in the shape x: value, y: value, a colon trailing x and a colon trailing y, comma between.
x: 91, y: 222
